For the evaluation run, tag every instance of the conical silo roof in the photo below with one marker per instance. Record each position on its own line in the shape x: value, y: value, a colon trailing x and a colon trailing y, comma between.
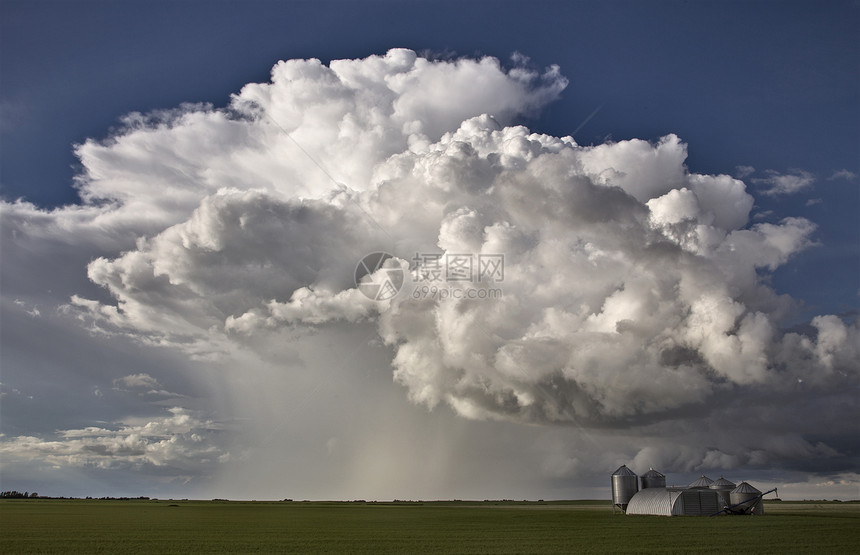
x: 623, y: 471
x: 653, y: 479
x: 654, y: 474
x: 722, y: 483
x: 744, y: 487
x: 703, y: 482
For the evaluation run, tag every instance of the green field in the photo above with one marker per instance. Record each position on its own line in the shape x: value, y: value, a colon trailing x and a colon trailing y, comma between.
x: 150, y: 526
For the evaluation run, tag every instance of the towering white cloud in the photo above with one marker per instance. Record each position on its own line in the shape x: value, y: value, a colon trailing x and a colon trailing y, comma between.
x: 632, y: 287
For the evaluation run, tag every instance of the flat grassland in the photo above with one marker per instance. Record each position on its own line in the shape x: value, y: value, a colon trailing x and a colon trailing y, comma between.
x: 163, y: 526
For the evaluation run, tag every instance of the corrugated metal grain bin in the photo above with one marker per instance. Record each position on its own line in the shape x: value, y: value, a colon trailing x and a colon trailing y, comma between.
x: 625, y: 484
x: 748, y: 498
x: 724, y: 488
x: 653, y: 479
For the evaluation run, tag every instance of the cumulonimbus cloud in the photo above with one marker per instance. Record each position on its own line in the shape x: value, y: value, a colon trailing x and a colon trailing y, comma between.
x: 631, y: 287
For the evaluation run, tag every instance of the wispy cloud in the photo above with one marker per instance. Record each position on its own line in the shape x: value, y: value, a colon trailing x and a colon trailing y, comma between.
x: 743, y: 171
x: 843, y: 174
x: 784, y: 183
x: 142, y: 384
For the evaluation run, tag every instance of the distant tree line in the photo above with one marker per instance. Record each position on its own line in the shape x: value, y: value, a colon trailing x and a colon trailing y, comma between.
x: 117, y: 498
x: 27, y: 495
x: 18, y: 495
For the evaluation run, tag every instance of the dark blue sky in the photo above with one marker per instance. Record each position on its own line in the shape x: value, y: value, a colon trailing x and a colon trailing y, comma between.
x: 773, y: 85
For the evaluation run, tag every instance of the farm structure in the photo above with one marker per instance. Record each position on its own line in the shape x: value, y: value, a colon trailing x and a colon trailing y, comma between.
x: 703, y: 497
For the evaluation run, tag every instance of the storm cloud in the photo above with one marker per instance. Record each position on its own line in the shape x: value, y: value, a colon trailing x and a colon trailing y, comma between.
x: 636, y: 293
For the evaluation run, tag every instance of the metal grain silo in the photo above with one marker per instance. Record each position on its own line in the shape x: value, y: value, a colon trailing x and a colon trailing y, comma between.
x: 625, y: 484
x: 653, y: 479
x: 724, y: 488
x: 748, y: 500
x: 703, y: 482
